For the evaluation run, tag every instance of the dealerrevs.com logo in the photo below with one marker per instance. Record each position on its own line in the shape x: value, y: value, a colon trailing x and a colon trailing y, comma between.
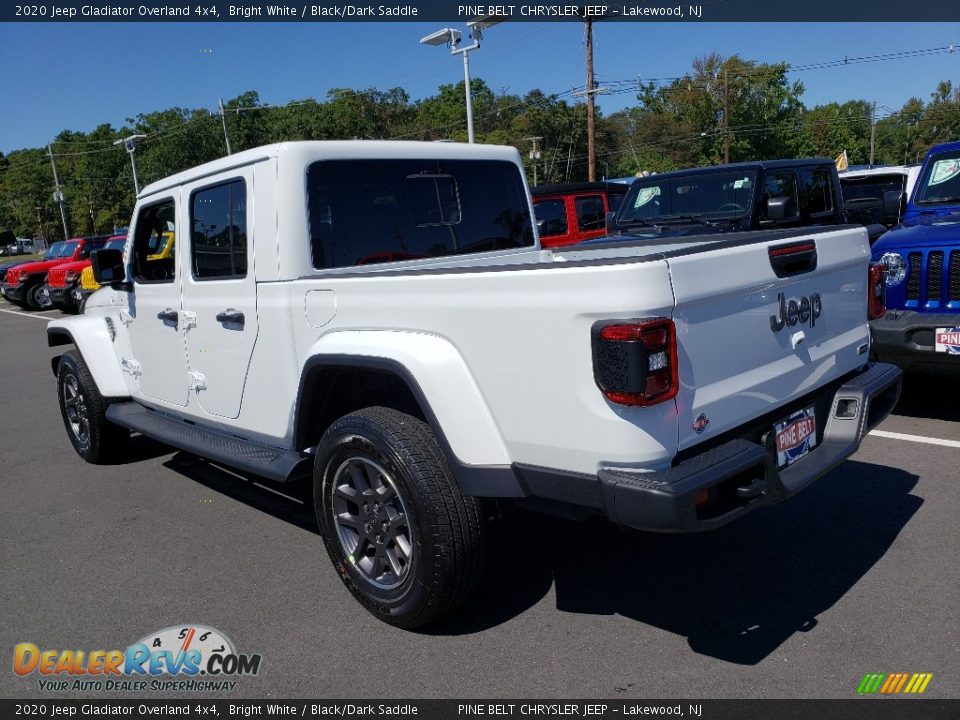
x: 177, y: 658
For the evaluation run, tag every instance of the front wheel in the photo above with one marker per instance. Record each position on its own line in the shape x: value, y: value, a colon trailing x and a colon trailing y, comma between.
x: 36, y: 298
x: 404, y: 540
x: 96, y: 439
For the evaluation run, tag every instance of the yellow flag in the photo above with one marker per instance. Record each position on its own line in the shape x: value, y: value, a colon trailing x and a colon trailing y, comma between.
x: 842, y: 162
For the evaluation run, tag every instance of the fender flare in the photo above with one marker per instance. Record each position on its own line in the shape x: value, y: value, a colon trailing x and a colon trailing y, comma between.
x: 92, y: 337
x: 440, y: 381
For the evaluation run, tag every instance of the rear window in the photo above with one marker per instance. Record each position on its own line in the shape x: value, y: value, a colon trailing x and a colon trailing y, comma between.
x: 363, y: 212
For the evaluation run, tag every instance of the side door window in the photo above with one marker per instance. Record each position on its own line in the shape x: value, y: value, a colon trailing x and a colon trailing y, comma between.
x: 590, y: 214
x: 819, y: 193
x: 156, y: 228
x: 218, y: 248
x: 551, y: 217
x: 777, y: 185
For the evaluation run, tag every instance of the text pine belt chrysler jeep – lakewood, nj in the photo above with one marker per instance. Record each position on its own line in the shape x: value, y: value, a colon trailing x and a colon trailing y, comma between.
x: 377, y: 315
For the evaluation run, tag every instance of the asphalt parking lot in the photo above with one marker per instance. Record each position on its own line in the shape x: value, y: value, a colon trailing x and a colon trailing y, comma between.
x: 860, y: 573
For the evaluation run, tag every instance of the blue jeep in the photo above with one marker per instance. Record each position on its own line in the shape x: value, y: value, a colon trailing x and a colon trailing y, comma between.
x: 921, y: 329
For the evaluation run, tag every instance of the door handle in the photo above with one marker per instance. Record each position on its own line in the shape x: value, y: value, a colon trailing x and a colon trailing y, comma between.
x: 231, y: 316
x: 168, y: 315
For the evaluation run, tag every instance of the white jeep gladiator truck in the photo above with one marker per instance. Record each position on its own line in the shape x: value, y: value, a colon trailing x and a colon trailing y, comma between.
x: 380, y: 316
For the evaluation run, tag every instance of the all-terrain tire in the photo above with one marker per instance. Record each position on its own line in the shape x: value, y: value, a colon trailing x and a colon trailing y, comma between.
x: 402, y: 537
x: 83, y: 408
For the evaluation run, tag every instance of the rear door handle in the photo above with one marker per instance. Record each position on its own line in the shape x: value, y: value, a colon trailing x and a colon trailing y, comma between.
x: 231, y: 316
x: 168, y: 315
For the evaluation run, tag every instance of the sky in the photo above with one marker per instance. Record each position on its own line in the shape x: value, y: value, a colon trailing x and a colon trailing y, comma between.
x: 56, y: 76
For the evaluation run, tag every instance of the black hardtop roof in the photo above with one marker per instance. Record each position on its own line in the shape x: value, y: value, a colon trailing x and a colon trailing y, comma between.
x: 751, y: 165
x: 566, y: 188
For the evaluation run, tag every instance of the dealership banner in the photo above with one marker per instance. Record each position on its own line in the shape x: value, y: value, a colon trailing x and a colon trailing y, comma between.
x: 891, y: 709
x: 448, y: 10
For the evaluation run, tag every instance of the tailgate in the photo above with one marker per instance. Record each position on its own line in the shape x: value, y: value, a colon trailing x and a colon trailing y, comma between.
x: 738, y: 360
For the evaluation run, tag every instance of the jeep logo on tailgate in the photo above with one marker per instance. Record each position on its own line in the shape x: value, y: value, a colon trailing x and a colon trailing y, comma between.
x: 790, y: 312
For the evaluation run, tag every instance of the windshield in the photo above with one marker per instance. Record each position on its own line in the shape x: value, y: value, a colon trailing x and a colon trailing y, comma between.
x: 871, y: 187
x: 714, y: 195
x: 941, y: 180
x: 61, y: 250
x: 115, y: 244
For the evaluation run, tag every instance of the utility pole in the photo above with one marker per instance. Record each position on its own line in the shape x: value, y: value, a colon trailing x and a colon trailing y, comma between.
x: 226, y: 136
x: 43, y: 233
x: 873, y: 131
x: 93, y: 218
x: 726, y: 117
x: 534, y: 155
x: 58, y: 193
x: 591, y: 108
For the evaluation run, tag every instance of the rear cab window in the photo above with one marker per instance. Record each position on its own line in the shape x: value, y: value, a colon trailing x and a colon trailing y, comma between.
x: 364, y: 212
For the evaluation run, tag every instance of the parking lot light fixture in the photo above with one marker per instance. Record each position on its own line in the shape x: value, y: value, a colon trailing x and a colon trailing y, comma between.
x: 130, y: 143
x: 451, y: 38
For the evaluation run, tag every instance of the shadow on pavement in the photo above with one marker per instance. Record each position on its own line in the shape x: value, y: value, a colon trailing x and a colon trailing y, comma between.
x: 291, y: 502
x: 930, y: 396
x: 736, y: 593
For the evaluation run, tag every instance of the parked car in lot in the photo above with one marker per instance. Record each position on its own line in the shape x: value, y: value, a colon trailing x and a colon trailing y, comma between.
x: 11, y: 245
x: 698, y: 383
x: 23, y: 285
x: 63, y: 279
x: 572, y: 212
x: 877, y: 195
x: 921, y: 331
x: 768, y: 194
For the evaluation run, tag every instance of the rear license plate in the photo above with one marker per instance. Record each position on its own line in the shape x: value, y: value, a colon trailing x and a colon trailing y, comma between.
x: 948, y: 340
x: 795, y: 436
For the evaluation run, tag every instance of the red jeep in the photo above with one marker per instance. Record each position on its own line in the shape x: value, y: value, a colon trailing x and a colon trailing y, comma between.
x: 24, y: 284
x: 62, y: 278
x: 572, y: 212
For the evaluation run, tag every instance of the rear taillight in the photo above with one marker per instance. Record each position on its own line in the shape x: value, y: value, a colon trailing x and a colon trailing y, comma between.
x: 635, y: 363
x: 877, y: 291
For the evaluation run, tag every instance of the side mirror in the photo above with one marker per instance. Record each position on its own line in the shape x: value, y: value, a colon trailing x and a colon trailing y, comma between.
x: 108, y: 267
x: 777, y: 208
x: 610, y: 221
x: 893, y: 206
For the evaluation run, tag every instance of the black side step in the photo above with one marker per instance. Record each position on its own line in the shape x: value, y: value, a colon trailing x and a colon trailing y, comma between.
x: 269, y: 462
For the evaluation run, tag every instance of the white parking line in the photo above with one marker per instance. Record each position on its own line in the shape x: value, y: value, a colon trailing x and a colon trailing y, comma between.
x: 29, y: 315
x: 915, y: 438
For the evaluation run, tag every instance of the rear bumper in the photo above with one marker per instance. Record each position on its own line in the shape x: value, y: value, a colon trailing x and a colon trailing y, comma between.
x: 737, y: 476
x: 906, y: 339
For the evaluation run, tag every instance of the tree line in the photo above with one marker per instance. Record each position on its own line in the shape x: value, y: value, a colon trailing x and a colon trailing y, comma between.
x: 673, y: 124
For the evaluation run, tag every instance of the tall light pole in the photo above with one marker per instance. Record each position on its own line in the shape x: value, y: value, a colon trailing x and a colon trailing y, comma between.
x: 451, y: 38
x: 130, y: 143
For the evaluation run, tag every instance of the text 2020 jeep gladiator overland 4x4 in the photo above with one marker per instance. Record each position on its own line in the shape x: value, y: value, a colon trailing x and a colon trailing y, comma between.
x: 379, y: 315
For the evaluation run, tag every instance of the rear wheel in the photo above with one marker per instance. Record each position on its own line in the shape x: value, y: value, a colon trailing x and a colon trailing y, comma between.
x: 404, y: 540
x: 96, y: 439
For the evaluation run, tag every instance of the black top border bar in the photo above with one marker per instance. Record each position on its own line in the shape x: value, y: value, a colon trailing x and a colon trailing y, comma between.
x: 217, y: 11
